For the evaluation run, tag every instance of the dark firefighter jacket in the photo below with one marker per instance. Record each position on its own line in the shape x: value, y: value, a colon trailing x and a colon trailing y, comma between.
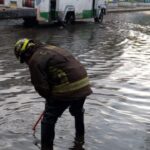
x: 56, y: 74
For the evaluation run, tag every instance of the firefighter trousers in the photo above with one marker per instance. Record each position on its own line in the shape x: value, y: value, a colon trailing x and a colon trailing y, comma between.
x: 53, y: 110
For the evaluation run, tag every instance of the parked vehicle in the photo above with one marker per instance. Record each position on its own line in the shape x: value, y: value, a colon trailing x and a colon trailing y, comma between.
x: 66, y: 11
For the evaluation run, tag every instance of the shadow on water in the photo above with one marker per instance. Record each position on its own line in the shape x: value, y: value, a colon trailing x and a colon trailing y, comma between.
x: 77, y: 146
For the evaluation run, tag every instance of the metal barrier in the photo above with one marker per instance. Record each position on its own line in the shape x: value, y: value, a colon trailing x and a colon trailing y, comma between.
x: 28, y: 3
x: 1, y: 1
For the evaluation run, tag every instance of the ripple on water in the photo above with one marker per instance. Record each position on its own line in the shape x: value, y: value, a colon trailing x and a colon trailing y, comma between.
x: 117, y: 59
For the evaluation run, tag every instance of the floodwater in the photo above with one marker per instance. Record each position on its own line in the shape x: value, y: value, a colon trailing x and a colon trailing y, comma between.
x: 116, y: 55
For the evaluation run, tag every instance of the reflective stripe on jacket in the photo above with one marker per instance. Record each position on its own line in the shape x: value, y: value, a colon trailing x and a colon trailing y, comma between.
x: 56, y: 73
x: 69, y: 87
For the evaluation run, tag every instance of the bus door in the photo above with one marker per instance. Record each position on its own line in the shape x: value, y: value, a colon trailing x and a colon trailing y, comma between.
x: 53, y: 9
x: 93, y: 8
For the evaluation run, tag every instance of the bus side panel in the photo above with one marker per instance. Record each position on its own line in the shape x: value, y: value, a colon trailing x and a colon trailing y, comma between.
x: 43, y: 10
x: 101, y: 3
x: 87, y: 7
x: 19, y: 3
x: 7, y: 2
x: 83, y: 8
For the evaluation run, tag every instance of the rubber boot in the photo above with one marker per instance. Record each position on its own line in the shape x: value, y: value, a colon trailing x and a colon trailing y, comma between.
x: 47, y: 136
x: 79, y: 126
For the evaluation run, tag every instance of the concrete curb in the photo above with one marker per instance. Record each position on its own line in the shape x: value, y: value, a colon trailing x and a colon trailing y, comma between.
x: 124, y: 9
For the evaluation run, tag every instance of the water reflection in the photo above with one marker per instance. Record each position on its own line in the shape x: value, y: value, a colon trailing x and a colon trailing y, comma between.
x: 116, y: 56
x: 77, y: 146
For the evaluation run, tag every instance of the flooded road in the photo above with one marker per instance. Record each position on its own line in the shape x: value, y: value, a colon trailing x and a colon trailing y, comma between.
x: 116, y: 55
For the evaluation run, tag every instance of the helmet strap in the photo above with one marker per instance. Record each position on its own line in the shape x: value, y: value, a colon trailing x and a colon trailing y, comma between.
x: 28, y: 53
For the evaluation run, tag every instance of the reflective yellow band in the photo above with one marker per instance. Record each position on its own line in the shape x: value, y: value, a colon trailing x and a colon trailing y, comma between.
x: 17, y: 43
x: 69, y: 87
x: 24, y: 45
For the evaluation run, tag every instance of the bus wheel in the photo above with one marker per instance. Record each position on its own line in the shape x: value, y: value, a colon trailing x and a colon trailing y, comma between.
x: 70, y: 18
x: 30, y: 22
x: 99, y: 19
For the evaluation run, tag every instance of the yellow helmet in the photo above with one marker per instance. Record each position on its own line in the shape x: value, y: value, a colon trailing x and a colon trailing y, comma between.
x: 21, y: 48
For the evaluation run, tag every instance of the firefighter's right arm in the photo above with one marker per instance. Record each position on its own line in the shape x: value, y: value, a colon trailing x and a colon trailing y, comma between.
x: 40, y: 81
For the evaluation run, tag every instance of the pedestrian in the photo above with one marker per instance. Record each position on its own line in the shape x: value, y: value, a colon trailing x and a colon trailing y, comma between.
x: 59, y: 78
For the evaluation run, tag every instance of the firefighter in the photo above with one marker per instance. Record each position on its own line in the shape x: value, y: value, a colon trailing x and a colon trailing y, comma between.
x: 59, y: 78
